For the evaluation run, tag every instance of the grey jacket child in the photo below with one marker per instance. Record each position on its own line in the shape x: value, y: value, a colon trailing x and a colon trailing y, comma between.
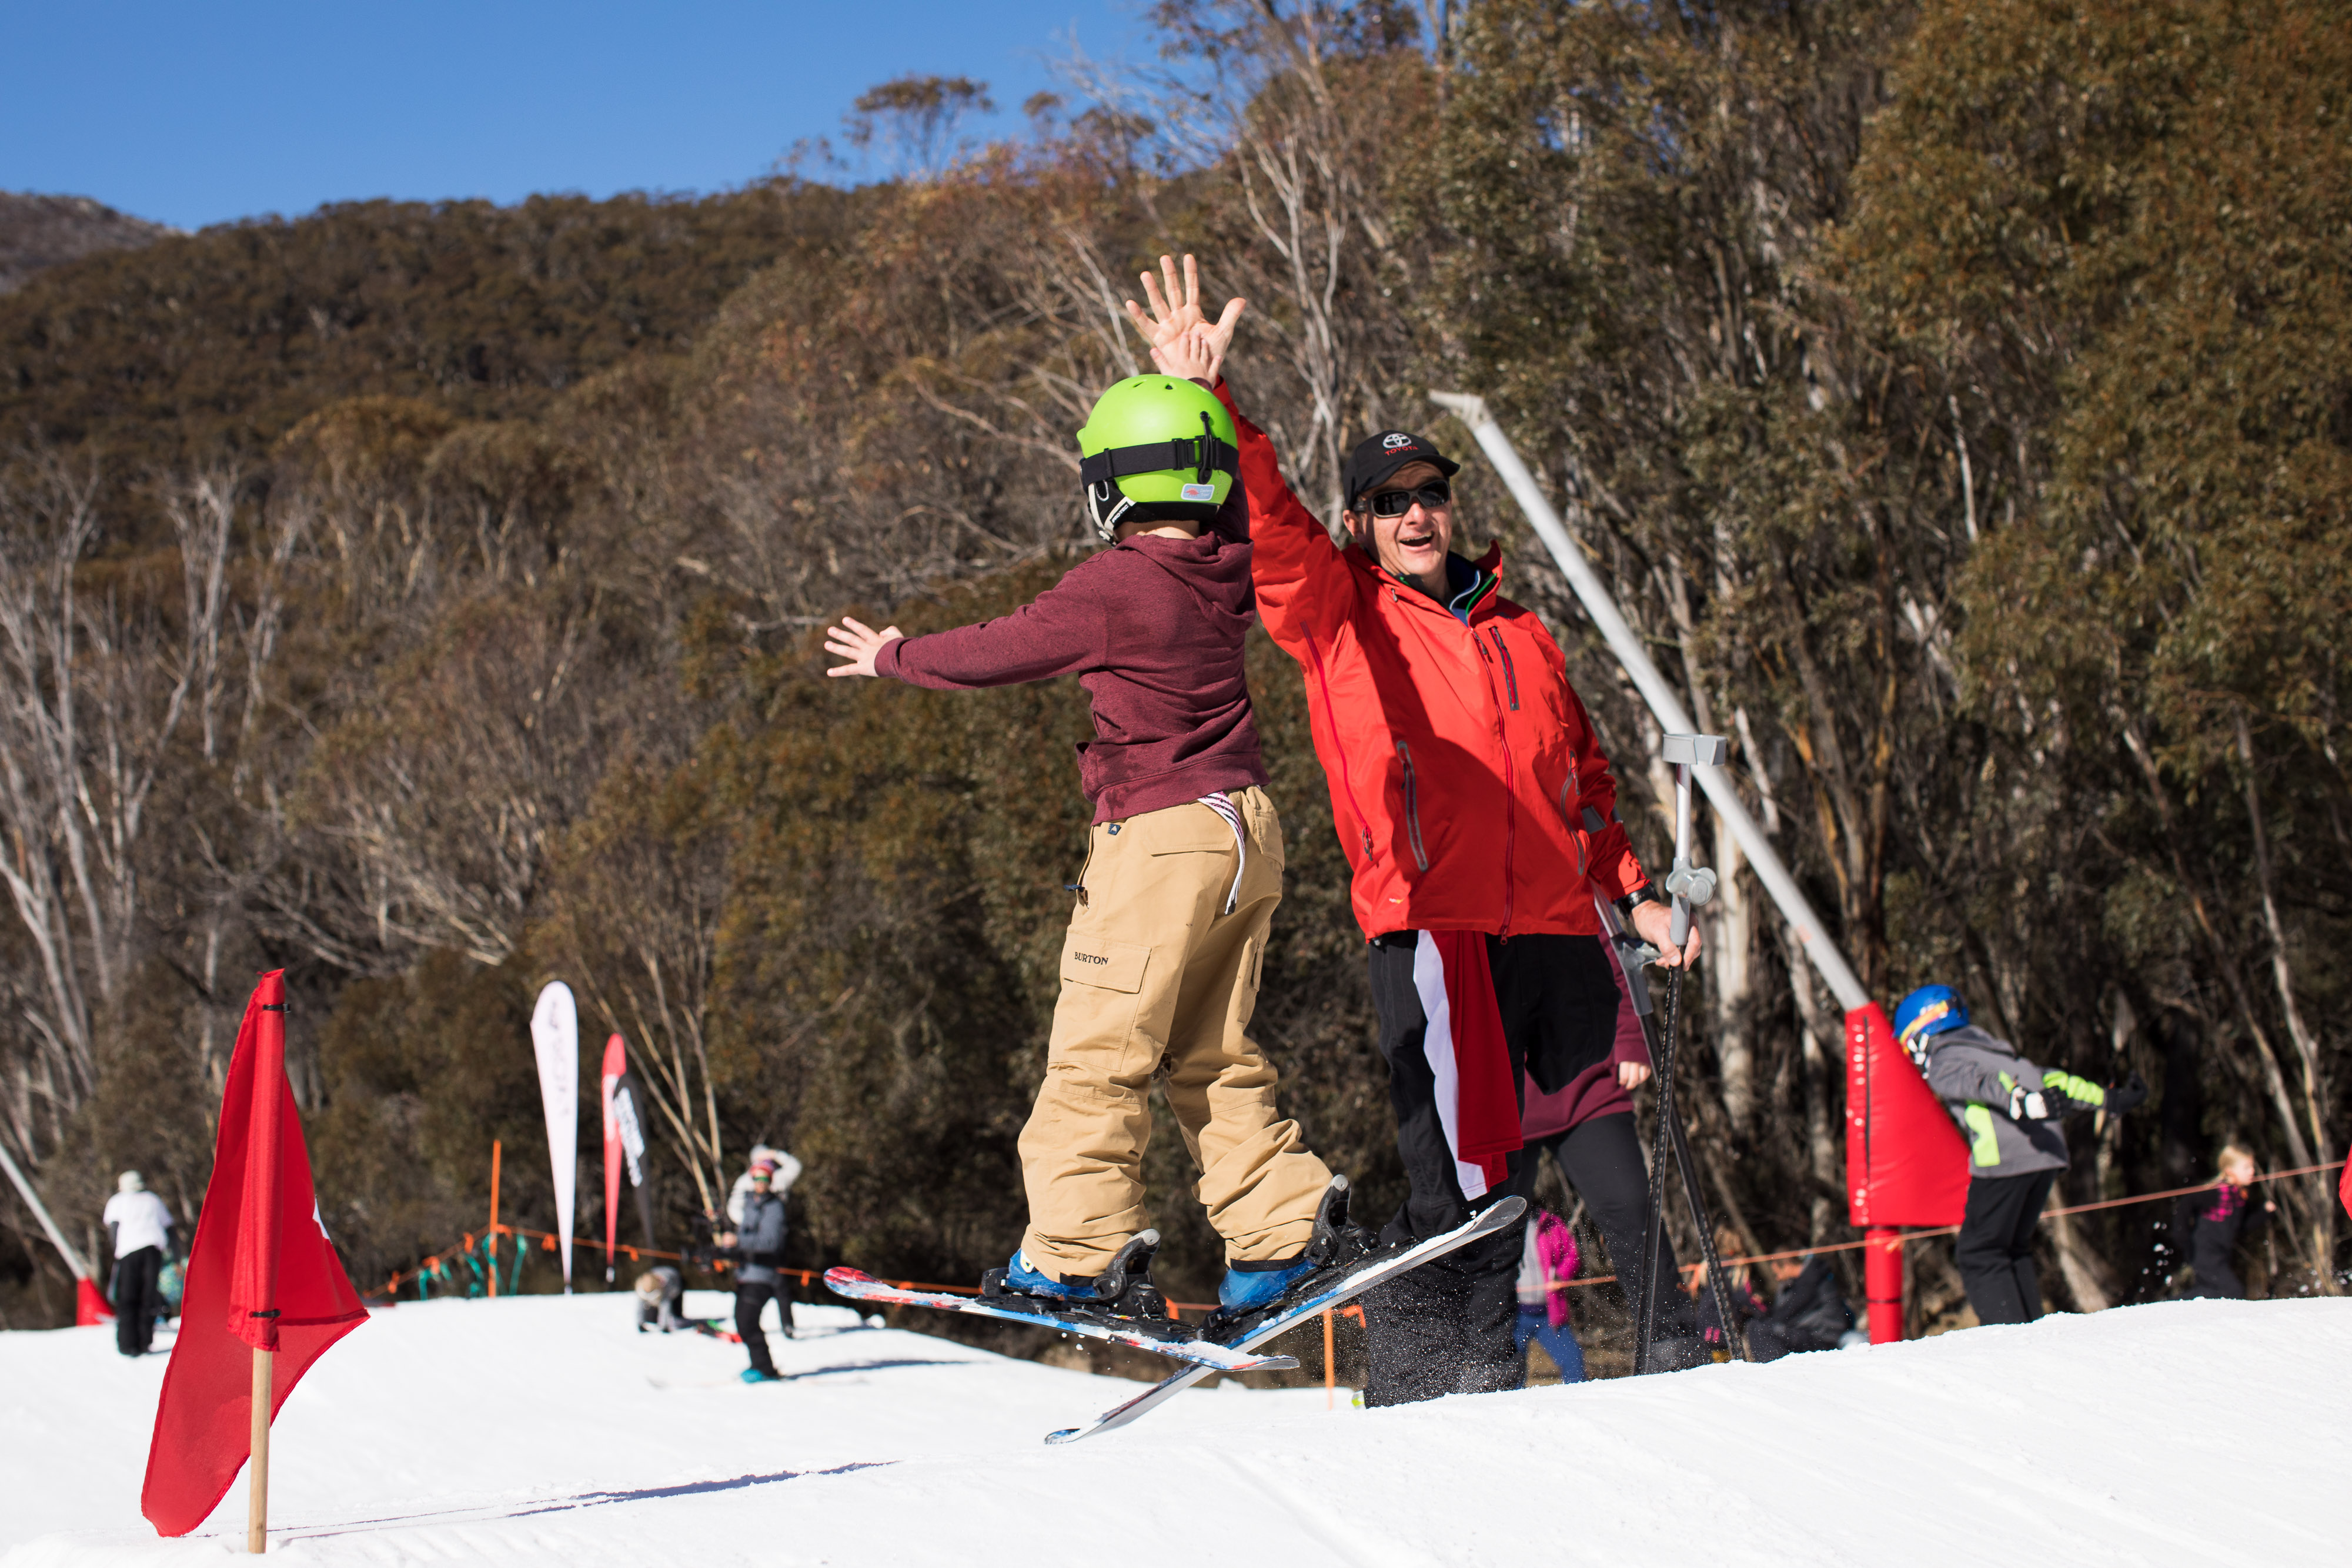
x: 1993, y: 1092
x: 761, y: 1242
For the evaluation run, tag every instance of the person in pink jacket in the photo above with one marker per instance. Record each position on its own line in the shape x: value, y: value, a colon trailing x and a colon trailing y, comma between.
x: 1549, y: 1263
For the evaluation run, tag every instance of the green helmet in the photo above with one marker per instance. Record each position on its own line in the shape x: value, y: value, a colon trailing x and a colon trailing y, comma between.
x: 1157, y: 447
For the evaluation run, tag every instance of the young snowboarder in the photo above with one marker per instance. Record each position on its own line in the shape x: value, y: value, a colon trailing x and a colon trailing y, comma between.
x: 2009, y: 1110
x: 2215, y: 1220
x: 1183, y: 869
x: 758, y: 1247
x: 139, y: 1227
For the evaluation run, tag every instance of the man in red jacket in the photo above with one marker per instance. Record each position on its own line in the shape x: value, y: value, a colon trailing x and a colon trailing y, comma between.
x: 1461, y: 768
x: 1159, y: 970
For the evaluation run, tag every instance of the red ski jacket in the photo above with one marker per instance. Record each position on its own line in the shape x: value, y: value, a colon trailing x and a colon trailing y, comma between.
x: 1461, y: 762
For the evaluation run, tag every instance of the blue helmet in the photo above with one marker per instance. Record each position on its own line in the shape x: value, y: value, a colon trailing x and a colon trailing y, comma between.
x: 1930, y: 1009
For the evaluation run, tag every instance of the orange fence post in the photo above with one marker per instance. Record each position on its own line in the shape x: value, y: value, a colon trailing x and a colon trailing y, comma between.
x: 494, y: 1218
x: 1331, y: 1377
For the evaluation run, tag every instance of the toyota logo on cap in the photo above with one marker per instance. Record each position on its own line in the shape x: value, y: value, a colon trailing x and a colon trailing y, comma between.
x: 1395, y: 439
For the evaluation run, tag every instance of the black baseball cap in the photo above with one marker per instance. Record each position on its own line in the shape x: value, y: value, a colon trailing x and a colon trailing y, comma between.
x: 1382, y: 454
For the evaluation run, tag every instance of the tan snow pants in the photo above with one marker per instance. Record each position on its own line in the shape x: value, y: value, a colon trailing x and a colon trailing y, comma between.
x: 1159, y: 981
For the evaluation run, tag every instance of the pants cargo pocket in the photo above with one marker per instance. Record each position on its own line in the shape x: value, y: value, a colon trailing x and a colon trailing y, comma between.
x: 1094, y: 1021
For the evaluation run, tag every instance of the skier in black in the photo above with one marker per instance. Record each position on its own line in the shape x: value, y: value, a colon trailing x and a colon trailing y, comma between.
x: 2215, y: 1220
x: 759, y: 1247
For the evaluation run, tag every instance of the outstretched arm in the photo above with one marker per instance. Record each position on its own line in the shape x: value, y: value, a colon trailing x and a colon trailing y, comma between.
x: 1062, y: 630
x: 857, y: 642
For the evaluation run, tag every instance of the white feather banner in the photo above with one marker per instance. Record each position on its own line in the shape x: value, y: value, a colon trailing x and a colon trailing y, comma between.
x: 555, y: 1037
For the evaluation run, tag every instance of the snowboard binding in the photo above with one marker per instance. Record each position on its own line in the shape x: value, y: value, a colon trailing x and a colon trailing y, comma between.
x: 1123, y: 1291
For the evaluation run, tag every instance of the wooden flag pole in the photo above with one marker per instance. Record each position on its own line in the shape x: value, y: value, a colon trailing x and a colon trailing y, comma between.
x: 257, y: 1476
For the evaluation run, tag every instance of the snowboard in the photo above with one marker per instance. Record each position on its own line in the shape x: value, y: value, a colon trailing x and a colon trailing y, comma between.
x: 1349, y: 1282
x: 1174, y: 1340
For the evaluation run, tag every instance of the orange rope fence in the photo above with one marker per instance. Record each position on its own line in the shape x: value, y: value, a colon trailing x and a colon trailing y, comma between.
x: 1693, y: 1269
x: 547, y: 1240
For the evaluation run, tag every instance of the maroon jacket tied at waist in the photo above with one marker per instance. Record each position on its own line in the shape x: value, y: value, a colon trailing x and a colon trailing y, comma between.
x: 1152, y: 628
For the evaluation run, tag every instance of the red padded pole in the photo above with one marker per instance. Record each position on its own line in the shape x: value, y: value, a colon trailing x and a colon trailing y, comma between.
x: 1882, y: 1283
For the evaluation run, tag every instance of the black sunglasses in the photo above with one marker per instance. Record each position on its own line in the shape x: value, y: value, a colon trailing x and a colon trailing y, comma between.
x: 1397, y: 503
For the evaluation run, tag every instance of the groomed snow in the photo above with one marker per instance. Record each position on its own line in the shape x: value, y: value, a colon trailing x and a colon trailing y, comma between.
x: 543, y: 1430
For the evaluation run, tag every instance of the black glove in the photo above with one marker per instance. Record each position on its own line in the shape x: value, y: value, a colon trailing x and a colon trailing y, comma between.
x: 2128, y: 1095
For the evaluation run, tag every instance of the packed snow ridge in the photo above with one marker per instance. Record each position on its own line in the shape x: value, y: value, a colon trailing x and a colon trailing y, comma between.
x: 543, y: 1429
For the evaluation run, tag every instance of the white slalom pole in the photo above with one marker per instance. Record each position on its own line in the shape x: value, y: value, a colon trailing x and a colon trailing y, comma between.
x: 1594, y: 596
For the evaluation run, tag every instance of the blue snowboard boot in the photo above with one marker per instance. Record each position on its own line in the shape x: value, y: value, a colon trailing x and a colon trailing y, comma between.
x: 1252, y: 1287
x: 1249, y: 1286
x: 1020, y: 1279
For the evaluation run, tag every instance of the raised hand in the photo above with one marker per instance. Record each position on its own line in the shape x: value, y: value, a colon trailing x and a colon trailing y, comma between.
x: 857, y: 642
x: 1188, y: 354
x: 1176, y: 310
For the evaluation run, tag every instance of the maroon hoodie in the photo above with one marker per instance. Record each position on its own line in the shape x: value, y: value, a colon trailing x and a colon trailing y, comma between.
x: 1152, y: 628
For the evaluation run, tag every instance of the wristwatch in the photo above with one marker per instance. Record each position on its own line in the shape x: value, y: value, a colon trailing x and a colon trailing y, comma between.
x: 1645, y: 894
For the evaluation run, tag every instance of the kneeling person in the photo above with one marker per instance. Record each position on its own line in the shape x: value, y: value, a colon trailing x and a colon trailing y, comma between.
x: 1184, y: 870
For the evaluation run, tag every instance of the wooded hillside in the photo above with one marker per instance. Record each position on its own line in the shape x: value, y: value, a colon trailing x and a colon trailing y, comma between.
x: 423, y: 599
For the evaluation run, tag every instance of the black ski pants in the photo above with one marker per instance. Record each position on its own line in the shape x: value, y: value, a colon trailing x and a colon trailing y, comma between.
x: 1995, y: 1249
x: 751, y: 1298
x: 137, y: 1301
x: 1447, y: 1327
x: 1601, y: 1162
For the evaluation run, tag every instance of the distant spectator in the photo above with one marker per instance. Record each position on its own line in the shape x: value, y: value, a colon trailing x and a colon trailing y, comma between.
x: 1808, y: 1313
x: 2214, y: 1221
x: 660, y: 1289
x: 139, y: 1227
x: 1548, y: 1263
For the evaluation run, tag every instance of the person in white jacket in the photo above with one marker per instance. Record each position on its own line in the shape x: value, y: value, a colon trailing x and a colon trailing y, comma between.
x: 138, y: 1226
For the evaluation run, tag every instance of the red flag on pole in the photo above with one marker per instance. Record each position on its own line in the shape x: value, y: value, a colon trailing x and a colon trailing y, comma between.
x: 617, y: 1061
x: 261, y: 1275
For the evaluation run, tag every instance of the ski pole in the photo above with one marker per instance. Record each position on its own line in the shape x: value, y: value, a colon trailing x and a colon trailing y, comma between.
x: 1689, y: 886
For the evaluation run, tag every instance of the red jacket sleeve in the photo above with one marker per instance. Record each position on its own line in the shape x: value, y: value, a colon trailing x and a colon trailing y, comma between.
x: 1303, y: 588
x: 1063, y: 629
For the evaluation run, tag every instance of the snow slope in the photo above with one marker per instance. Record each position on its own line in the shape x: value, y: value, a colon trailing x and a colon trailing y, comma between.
x: 542, y: 1429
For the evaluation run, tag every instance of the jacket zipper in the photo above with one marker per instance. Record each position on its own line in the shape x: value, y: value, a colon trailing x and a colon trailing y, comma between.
x: 1510, y: 678
x: 1413, y: 810
x: 1569, y: 792
x: 1510, y: 781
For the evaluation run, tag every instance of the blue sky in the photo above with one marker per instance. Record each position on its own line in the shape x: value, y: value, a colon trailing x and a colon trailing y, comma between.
x: 196, y: 114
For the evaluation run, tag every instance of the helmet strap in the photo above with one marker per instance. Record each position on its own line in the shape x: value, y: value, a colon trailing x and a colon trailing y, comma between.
x: 1097, y: 497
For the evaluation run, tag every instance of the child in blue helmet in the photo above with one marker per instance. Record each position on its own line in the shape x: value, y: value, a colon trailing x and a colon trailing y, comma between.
x: 2009, y: 1110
